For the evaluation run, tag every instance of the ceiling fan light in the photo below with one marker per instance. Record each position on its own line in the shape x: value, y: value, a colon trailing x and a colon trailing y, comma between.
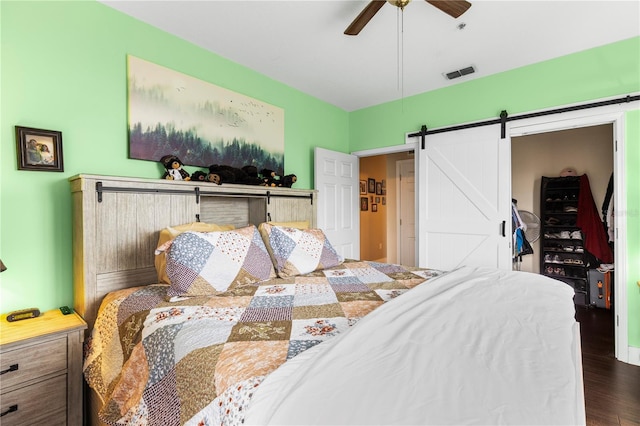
x: 399, y: 3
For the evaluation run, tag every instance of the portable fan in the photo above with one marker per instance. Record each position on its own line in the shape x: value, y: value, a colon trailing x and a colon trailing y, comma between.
x: 533, y: 225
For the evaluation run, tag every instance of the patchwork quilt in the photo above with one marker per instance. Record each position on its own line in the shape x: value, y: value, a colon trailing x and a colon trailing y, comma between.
x: 156, y: 360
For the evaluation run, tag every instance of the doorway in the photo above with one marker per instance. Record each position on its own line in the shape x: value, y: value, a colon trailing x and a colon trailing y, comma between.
x: 587, y: 150
x: 387, y: 212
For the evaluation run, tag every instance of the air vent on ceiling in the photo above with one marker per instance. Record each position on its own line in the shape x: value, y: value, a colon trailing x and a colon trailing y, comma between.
x: 459, y: 73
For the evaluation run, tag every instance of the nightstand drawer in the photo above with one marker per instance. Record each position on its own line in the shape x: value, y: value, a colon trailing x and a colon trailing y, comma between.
x: 43, y: 403
x: 31, y: 362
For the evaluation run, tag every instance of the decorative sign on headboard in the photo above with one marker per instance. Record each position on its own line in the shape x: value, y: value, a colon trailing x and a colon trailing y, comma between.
x: 201, y: 123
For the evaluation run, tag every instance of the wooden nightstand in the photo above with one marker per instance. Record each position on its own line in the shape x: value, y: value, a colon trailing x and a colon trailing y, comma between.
x: 41, y: 366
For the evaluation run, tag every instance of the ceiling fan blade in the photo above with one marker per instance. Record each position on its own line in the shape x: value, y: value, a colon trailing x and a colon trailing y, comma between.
x: 364, y: 17
x: 452, y: 8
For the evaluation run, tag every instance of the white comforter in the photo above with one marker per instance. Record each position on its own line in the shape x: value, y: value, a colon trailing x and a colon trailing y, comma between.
x: 475, y: 346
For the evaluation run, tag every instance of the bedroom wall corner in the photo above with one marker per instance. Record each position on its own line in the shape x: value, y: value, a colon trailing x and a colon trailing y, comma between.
x: 64, y: 69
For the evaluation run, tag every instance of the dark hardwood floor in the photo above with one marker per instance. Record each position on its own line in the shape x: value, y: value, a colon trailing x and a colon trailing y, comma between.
x: 611, y: 387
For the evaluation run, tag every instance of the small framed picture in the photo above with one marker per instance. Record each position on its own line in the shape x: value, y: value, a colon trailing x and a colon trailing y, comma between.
x: 364, y: 204
x: 377, y: 199
x: 384, y: 201
x: 372, y: 185
x: 379, y: 188
x: 374, y: 207
x: 363, y: 187
x: 39, y: 149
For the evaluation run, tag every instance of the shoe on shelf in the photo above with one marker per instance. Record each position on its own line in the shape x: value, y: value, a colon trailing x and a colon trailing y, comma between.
x: 567, y: 248
x: 579, y: 249
x: 548, y: 258
x: 548, y: 270
x: 605, y: 267
x: 559, y: 271
x: 556, y: 259
x: 552, y: 221
x: 570, y: 209
x: 576, y: 235
x: 565, y: 235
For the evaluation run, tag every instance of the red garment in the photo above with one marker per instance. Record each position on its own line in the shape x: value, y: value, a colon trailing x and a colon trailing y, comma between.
x: 595, y: 239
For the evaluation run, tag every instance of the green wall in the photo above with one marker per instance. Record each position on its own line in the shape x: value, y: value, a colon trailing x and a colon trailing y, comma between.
x: 63, y: 67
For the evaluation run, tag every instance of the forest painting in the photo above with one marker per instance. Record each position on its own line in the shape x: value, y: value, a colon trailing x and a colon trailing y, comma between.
x: 201, y: 123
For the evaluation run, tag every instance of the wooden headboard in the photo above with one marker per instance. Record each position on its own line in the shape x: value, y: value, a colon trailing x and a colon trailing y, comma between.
x: 116, y: 222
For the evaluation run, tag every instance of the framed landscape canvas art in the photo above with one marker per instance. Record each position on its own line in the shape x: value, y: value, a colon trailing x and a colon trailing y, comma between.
x: 199, y: 122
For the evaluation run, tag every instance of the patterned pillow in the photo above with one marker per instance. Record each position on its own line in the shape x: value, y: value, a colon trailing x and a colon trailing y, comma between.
x: 209, y: 263
x: 169, y: 233
x: 298, y: 251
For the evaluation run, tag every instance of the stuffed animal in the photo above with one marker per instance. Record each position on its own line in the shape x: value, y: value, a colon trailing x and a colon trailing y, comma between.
x: 199, y: 176
x: 288, y: 181
x: 227, y: 174
x: 173, y: 168
x: 251, y: 171
x: 270, y: 178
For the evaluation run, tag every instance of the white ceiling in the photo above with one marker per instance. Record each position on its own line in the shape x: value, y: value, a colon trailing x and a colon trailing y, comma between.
x: 301, y: 43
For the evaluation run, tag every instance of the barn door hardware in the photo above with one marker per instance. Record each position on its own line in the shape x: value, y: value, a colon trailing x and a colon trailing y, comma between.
x: 504, y: 117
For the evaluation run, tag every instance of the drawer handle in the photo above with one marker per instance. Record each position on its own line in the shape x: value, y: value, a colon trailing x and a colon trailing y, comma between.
x: 12, y: 367
x: 11, y: 409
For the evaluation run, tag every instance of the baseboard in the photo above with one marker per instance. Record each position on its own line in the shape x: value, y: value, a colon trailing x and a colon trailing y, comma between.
x: 634, y: 355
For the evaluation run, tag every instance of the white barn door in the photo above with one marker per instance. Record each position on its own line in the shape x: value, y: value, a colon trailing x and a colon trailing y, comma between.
x: 338, y: 184
x: 464, y: 187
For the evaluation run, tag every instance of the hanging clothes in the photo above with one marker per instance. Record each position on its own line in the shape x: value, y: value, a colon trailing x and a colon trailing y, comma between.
x: 595, y: 238
x: 609, y: 220
x: 520, y: 245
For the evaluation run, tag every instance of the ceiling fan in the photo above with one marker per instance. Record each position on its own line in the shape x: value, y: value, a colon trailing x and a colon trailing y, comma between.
x: 453, y: 8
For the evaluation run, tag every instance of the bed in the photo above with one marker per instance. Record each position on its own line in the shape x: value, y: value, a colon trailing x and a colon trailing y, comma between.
x: 302, y: 336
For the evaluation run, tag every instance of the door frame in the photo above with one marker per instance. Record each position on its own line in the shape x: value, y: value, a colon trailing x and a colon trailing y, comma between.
x: 409, y: 146
x: 614, y: 115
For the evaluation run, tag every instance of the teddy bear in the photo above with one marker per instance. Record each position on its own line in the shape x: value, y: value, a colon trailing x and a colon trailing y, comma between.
x: 269, y: 177
x: 288, y: 181
x: 173, y: 168
x: 199, y: 176
x: 251, y: 171
x: 220, y: 174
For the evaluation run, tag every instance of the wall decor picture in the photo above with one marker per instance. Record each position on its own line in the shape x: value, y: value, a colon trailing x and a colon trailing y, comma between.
x: 372, y: 185
x: 201, y: 123
x: 374, y: 208
x: 364, y: 204
x: 379, y: 188
x: 363, y: 187
x: 39, y: 149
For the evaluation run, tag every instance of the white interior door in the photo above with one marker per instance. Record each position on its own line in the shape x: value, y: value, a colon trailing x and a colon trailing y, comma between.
x: 338, y: 185
x: 405, y: 176
x: 464, y: 191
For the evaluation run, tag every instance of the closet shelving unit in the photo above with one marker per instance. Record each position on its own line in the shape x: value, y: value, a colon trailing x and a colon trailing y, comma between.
x: 562, y: 256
